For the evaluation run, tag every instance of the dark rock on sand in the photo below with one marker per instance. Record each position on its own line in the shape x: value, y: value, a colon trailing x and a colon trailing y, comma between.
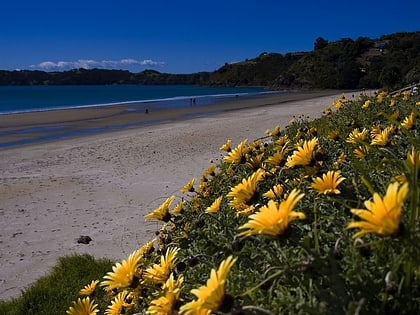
x: 84, y: 239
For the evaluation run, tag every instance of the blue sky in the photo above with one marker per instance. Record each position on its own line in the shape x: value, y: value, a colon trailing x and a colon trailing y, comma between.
x: 183, y: 36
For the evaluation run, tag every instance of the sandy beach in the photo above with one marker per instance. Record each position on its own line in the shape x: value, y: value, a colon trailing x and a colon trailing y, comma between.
x: 103, y: 185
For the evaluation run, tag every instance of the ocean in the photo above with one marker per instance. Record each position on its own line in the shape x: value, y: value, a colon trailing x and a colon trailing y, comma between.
x: 142, y: 98
x: 18, y: 99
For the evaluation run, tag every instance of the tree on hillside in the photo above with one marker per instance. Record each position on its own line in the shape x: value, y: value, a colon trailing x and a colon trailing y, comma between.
x: 320, y: 43
x: 390, y: 76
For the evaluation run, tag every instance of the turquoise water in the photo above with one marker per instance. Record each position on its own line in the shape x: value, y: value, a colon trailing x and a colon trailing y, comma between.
x: 15, y: 99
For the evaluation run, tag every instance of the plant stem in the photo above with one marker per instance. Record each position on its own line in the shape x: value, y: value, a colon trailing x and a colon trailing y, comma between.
x: 316, y: 236
x: 262, y: 282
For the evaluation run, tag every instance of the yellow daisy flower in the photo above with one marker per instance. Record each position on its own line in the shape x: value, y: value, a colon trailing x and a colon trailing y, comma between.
x: 357, y: 136
x: 237, y: 155
x: 312, y: 131
x: 274, y: 132
x: 344, y: 99
x: 408, y: 122
x: 274, y: 193
x: 254, y: 162
x: 395, y: 115
x: 210, y: 171
x: 361, y: 151
x: 366, y: 104
x: 159, y: 273
x: 340, y: 160
x: 383, y: 215
x: 276, y: 159
x: 89, y: 289
x: 340, y: 102
x: 83, y: 307
x: 227, y: 146
x: 188, y: 187
x: 381, y: 97
x: 215, y: 206
x: 273, y: 219
x: 327, y: 111
x: 406, y: 95
x: 303, y: 154
x: 210, y: 296
x: 167, y: 302
x: 327, y: 184
x: 147, y: 248
x: 376, y: 130
x: 337, y: 104
x: 402, y: 178
x: 334, y: 135
x: 393, y: 102
x: 381, y: 139
x: 120, y: 304
x: 281, y: 143
x: 413, y: 163
x: 162, y: 212
x: 124, y: 274
x: 300, y: 133
x: 413, y: 159
x: 204, y: 189
x: 185, y: 231
x: 243, y: 193
x: 196, y: 202
x: 178, y: 208
x: 256, y: 146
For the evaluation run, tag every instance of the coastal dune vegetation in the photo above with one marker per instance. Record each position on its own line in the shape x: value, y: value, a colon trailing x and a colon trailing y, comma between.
x: 317, y: 217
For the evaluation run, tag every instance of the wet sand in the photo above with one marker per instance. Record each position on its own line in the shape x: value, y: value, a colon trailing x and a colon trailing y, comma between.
x: 103, y: 185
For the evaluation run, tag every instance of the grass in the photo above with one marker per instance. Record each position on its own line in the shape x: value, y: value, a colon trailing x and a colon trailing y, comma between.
x: 53, y: 293
x: 314, y: 265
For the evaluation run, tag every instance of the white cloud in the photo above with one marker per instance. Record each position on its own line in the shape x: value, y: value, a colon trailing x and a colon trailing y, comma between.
x: 90, y: 64
x: 148, y: 62
x: 46, y: 64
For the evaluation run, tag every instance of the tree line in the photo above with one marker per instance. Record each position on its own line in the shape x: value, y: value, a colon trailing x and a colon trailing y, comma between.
x: 389, y: 61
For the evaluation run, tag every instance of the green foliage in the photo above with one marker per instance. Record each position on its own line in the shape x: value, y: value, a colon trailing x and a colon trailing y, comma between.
x: 343, y: 64
x: 260, y: 71
x: 53, y: 293
x: 320, y: 43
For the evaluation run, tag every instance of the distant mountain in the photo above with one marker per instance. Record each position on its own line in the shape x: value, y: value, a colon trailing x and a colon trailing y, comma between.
x: 390, y: 61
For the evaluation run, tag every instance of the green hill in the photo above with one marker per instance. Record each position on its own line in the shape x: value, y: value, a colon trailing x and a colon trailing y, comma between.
x: 390, y: 61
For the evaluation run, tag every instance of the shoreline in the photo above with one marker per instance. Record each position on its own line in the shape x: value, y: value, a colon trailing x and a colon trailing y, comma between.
x: 103, y: 185
x: 42, y: 98
x: 42, y: 126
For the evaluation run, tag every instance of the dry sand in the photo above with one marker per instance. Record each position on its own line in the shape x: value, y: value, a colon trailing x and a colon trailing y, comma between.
x: 103, y: 185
